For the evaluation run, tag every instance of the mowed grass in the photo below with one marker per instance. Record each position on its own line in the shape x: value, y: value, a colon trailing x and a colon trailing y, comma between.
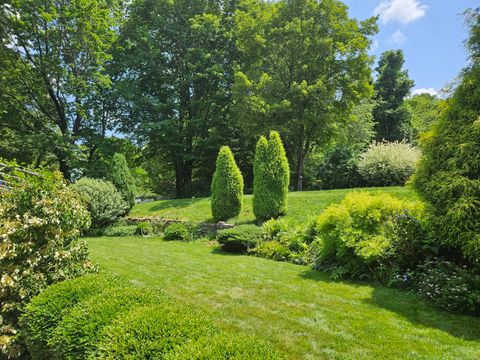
x: 291, y: 307
x: 301, y: 205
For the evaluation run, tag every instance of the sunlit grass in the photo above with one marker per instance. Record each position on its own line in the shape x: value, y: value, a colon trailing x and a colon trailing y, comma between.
x: 292, y: 307
x: 301, y: 205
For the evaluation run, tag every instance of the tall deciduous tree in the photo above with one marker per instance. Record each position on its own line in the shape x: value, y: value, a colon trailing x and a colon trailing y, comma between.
x: 56, y: 56
x: 174, y: 70
x: 392, y: 86
x: 304, y: 66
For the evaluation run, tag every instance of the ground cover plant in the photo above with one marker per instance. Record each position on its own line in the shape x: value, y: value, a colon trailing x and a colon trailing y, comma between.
x: 296, y: 310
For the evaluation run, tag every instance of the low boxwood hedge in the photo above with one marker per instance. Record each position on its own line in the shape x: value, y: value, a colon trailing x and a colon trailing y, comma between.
x: 240, y: 238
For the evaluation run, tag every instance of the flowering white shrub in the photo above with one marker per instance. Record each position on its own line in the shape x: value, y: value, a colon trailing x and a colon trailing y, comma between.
x: 40, y: 223
x: 388, y: 163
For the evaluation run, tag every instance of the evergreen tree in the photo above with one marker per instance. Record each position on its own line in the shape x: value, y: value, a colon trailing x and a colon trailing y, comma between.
x: 448, y: 177
x: 271, y: 178
x: 392, y: 86
x: 121, y: 177
x: 227, y: 187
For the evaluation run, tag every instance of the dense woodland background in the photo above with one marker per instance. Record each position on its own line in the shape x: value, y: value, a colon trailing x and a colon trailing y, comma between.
x: 167, y: 83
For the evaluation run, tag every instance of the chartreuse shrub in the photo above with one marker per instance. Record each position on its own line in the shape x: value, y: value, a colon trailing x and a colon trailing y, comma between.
x: 448, y: 177
x: 388, y: 164
x: 122, y: 178
x: 77, y: 334
x: 240, y: 238
x: 271, y: 177
x: 152, y: 331
x: 227, y: 187
x: 41, y: 219
x: 44, y: 312
x: 223, y: 346
x: 104, y: 202
x: 356, y: 237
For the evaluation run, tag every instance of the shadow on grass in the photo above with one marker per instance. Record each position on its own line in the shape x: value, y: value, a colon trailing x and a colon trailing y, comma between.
x: 418, y: 311
x: 219, y: 251
x: 411, y: 307
x: 174, y: 203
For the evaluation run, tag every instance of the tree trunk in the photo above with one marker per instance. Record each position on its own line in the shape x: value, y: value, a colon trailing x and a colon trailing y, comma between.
x: 300, y: 168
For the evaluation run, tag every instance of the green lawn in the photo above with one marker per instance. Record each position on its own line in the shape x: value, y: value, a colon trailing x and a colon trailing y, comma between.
x: 301, y: 205
x: 293, y: 308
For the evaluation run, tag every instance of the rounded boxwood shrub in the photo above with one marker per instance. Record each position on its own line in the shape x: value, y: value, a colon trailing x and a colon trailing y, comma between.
x: 122, y: 178
x: 104, y: 202
x: 177, y: 231
x: 227, y: 187
x: 152, y: 331
x: 239, y: 238
x: 388, y: 164
x: 225, y: 346
x: 271, y: 177
x: 45, y: 311
x: 77, y: 334
x: 356, y: 236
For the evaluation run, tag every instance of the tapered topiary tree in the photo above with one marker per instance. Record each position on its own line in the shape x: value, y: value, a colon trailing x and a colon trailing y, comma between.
x: 448, y: 176
x: 227, y: 187
x: 271, y: 178
x: 122, y: 178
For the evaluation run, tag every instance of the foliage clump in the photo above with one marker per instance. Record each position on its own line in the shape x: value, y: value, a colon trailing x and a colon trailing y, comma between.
x: 41, y: 220
x: 240, y: 238
x: 356, y: 237
x: 177, y: 231
x: 448, y: 177
x: 227, y: 187
x: 388, y: 164
x: 104, y: 201
x: 122, y: 178
x: 271, y: 178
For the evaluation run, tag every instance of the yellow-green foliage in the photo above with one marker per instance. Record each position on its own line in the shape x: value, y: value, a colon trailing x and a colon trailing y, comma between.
x: 271, y: 178
x: 354, y: 236
x: 448, y: 177
x: 227, y: 187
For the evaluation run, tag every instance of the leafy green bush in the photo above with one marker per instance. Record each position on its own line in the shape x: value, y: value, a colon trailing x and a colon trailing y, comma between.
x: 104, y: 202
x: 355, y: 237
x: 272, y: 228
x: 227, y: 187
x: 45, y: 311
x: 224, y: 346
x: 121, y: 230
x: 271, y: 178
x: 448, y: 177
x: 273, y: 250
x: 239, y: 238
x: 77, y: 334
x: 338, y: 170
x: 144, y: 228
x: 452, y: 287
x: 388, y: 164
x: 177, y: 231
x: 40, y: 223
x: 122, y: 178
x: 151, y: 332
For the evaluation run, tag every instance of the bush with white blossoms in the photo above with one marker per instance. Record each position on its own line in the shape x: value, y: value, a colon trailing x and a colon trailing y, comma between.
x: 40, y: 224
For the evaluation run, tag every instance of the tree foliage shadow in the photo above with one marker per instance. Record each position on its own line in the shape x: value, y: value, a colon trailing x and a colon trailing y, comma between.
x: 418, y: 311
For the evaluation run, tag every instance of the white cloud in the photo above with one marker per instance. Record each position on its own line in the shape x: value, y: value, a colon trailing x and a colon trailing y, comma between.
x: 430, y: 91
x: 402, y: 11
x: 375, y: 45
x: 398, y: 38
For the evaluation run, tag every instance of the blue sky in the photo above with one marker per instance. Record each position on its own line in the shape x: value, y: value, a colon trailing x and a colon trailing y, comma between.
x: 430, y: 32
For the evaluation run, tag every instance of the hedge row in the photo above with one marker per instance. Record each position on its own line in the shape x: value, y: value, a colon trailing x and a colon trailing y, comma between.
x: 100, y: 317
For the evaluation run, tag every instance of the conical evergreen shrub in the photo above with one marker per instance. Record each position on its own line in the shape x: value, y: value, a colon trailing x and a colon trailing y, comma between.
x: 271, y: 178
x: 122, y: 178
x: 227, y: 187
